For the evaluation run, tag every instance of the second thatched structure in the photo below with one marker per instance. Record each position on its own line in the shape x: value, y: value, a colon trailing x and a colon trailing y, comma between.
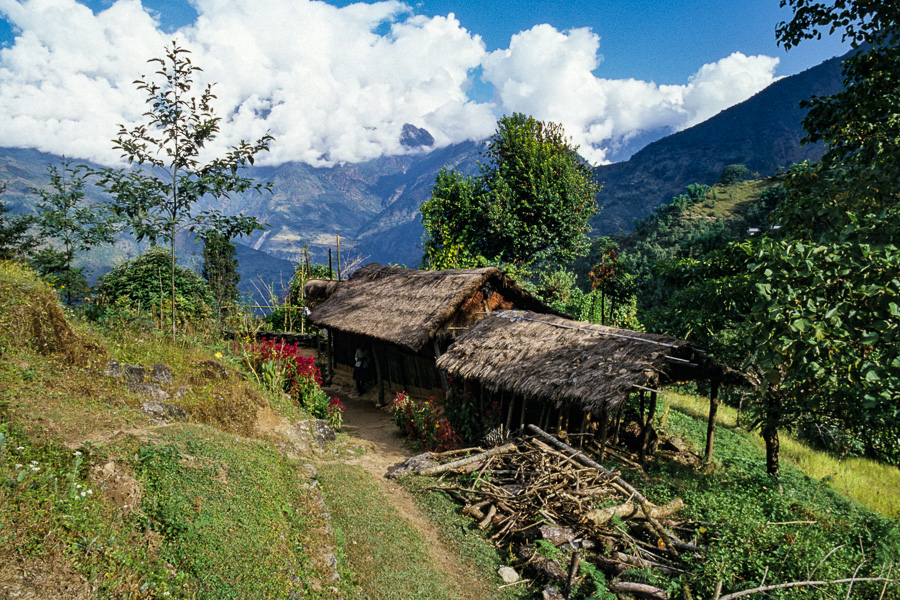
x: 557, y: 366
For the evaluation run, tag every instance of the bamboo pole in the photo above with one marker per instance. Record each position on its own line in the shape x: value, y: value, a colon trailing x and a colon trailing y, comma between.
x: 339, y: 257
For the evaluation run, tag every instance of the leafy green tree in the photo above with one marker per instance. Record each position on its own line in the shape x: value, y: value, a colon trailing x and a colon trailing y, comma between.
x: 530, y: 203
x: 733, y: 174
x: 140, y: 285
x: 70, y: 223
x: 14, y: 239
x: 220, y: 269
x: 159, y: 203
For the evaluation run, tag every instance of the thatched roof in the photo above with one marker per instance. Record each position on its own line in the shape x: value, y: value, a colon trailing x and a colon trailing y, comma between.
x: 411, y: 308
x: 570, y: 362
x: 317, y: 291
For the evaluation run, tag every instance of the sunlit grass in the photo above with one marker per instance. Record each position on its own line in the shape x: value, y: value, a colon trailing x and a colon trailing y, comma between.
x: 872, y: 484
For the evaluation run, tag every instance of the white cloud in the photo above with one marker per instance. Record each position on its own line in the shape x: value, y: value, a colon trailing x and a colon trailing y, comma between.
x: 551, y: 75
x: 331, y: 84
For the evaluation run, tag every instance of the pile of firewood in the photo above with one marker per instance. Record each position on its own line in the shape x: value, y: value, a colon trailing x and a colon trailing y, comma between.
x: 537, y: 492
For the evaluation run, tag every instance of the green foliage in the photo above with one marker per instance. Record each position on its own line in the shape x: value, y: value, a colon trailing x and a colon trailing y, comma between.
x: 140, y: 284
x: 14, y: 239
x: 421, y: 423
x: 733, y: 174
x: 466, y: 417
x: 531, y: 201
x: 158, y: 203
x: 69, y: 223
x: 220, y: 270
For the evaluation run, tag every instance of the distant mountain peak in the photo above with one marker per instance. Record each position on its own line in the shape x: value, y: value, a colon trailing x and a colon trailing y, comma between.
x: 415, y: 137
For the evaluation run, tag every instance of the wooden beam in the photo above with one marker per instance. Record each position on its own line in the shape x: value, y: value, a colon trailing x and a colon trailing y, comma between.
x: 648, y: 428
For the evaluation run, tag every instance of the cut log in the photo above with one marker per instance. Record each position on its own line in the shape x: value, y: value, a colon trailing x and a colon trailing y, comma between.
x: 630, y: 510
x: 641, y: 590
x: 465, y: 461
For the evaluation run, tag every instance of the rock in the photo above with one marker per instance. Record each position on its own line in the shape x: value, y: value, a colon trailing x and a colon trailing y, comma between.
x: 160, y: 374
x: 163, y: 413
x: 315, y: 430
x: 508, y: 575
x: 151, y: 390
x: 411, y: 465
x: 551, y: 593
x: 124, y: 372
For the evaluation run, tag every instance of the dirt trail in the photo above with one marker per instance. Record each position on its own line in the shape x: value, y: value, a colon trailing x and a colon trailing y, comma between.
x: 374, y: 429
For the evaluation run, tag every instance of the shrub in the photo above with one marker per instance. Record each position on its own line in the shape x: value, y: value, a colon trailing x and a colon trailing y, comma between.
x: 144, y: 284
x: 420, y: 422
x: 279, y: 365
x: 733, y: 174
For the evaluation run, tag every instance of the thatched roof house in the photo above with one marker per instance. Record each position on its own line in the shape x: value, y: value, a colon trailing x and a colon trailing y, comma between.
x: 411, y: 308
x: 408, y: 317
x: 565, y: 362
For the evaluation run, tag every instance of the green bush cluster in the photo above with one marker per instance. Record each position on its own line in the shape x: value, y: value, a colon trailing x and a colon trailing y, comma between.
x: 144, y: 284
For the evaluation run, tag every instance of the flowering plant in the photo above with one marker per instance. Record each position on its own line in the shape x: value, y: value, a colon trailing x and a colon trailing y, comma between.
x: 421, y: 422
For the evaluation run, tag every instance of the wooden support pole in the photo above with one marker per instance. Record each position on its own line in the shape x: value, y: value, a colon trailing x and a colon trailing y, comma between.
x: 604, y: 422
x: 509, y: 412
x: 339, y: 256
x: 711, y: 424
x: 648, y: 428
x: 445, y: 385
x: 618, y: 420
x: 641, y: 412
x: 522, y: 413
x: 380, y: 380
x: 330, y: 271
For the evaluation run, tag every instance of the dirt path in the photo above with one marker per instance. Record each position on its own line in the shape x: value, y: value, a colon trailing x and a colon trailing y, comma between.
x: 374, y: 429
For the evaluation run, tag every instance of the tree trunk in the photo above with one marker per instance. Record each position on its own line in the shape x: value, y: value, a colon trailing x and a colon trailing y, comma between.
x: 711, y: 423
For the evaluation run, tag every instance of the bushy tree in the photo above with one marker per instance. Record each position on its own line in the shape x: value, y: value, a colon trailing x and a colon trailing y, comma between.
x: 68, y: 223
x: 15, y: 242
x: 220, y: 269
x: 734, y: 174
x: 142, y: 285
x: 530, y: 202
x: 160, y: 202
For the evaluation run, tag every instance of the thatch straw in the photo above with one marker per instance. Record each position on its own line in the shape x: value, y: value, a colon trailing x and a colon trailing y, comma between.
x: 317, y: 291
x: 410, y: 308
x: 568, y: 362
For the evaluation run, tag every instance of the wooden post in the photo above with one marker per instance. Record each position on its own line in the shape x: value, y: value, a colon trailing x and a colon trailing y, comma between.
x: 522, y: 413
x: 339, y: 257
x: 618, y: 419
x: 648, y: 427
x: 711, y: 424
x: 604, y: 422
x: 378, y: 377
x: 330, y: 272
x: 641, y: 412
x: 445, y: 385
x: 509, y: 412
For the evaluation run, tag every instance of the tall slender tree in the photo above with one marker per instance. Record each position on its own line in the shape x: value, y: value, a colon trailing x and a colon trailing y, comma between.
x: 160, y: 202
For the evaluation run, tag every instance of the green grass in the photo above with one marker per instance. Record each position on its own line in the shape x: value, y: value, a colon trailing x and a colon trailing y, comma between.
x: 462, y: 534
x: 874, y: 485
x: 386, y: 557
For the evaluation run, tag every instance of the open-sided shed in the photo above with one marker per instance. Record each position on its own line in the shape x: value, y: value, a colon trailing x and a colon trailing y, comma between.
x: 407, y: 317
x: 554, y: 363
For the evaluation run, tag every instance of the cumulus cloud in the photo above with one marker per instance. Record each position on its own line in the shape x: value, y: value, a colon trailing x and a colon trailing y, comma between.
x: 331, y: 84
x: 551, y: 75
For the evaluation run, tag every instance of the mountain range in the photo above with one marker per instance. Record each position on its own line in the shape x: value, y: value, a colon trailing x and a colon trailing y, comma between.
x: 373, y: 206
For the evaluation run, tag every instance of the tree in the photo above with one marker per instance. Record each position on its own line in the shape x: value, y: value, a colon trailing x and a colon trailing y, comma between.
x: 733, y: 174
x: 159, y: 203
x: 530, y: 203
x: 816, y: 312
x: 139, y: 285
x: 14, y: 238
x: 220, y: 269
x: 65, y: 218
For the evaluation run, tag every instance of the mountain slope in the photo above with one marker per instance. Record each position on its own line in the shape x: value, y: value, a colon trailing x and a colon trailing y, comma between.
x: 763, y: 133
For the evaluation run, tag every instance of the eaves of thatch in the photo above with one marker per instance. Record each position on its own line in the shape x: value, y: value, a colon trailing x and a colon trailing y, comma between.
x: 411, y: 308
x: 317, y: 291
x: 565, y: 362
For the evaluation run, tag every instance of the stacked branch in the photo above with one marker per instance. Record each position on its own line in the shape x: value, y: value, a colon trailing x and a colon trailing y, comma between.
x: 538, y: 488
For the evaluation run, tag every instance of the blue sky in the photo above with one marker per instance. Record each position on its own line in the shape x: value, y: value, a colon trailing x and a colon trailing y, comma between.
x: 335, y: 82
